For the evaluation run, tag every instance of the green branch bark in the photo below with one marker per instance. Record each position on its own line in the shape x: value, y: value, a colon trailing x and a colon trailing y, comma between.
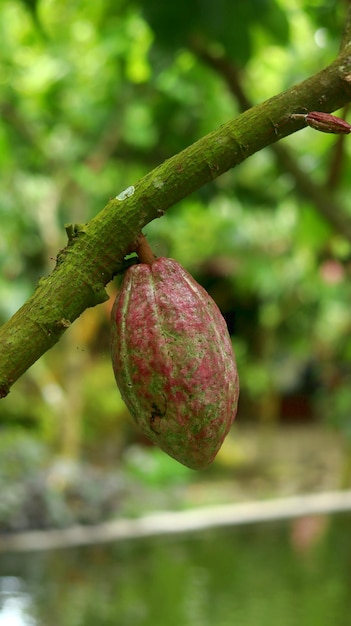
x: 95, y: 251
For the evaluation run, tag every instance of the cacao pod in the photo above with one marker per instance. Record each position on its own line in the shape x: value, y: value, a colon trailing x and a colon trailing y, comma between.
x: 173, y: 361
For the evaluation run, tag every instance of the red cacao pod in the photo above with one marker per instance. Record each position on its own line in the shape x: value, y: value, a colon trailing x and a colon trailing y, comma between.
x: 173, y: 361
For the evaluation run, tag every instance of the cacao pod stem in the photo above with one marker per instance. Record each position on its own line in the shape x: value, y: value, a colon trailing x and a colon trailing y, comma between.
x: 143, y: 250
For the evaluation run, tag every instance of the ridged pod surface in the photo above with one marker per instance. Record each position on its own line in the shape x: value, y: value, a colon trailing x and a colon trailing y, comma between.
x: 173, y: 361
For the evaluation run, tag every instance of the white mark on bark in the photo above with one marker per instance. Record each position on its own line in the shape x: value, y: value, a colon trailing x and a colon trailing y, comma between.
x: 126, y: 193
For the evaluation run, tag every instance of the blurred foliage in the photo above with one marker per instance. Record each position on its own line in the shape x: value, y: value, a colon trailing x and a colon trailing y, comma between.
x: 94, y: 95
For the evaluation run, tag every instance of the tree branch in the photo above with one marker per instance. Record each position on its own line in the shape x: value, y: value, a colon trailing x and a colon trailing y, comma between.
x: 319, y: 195
x: 95, y: 251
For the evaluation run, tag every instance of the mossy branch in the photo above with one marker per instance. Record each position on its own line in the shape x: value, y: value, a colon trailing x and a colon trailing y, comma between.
x: 95, y: 251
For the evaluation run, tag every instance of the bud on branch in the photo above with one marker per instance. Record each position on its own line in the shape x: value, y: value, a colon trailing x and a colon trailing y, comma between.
x: 324, y: 122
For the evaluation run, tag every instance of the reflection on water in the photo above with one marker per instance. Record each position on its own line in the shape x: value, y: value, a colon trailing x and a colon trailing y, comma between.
x: 294, y: 573
x: 15, y: 603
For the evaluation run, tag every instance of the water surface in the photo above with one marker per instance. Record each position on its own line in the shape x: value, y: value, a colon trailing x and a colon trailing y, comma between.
x: 295, y: 573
